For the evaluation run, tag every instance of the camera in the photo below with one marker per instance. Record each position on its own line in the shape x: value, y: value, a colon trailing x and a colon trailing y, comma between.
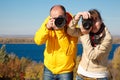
x: 60, y: 21
x: 87, y: 23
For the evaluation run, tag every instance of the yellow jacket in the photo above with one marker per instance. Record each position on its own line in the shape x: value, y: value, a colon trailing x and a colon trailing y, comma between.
x: 60, y: 50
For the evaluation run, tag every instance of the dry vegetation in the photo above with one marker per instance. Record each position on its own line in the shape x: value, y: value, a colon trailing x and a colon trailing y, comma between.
x: 13, y: 68
x: 115, y: 65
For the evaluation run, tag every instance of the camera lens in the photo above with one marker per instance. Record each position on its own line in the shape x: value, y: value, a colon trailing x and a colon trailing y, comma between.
x: 60, y: 21
x: 87, y: 23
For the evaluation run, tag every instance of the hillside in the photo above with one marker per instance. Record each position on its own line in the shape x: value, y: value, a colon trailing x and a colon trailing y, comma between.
x: 20, y: 39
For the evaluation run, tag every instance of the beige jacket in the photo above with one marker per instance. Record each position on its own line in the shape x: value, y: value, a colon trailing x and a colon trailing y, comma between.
x: 94, y: 59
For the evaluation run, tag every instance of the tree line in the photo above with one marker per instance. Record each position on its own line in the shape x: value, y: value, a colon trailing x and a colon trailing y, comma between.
x: 116, y: 40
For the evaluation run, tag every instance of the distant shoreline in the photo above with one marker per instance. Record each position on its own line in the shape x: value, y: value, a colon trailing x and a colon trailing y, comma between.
x: 30, y: 40
x: 18, y: 40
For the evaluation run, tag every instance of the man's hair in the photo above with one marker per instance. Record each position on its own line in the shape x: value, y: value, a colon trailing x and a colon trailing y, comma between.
x: 61, y: 6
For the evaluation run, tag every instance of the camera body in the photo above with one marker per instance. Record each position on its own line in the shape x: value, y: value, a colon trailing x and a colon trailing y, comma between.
x: 60, y: 21
x: 87, y: 23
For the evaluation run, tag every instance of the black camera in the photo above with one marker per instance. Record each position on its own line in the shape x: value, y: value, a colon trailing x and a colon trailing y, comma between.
x: 87, y: 23
x: 60, y: 21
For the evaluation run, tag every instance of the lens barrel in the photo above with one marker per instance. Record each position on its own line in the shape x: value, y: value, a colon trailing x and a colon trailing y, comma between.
x: 87, y: 23
x: 60, y: 21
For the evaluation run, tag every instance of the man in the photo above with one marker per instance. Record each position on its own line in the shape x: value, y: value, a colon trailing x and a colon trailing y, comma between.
x: 60, y: 51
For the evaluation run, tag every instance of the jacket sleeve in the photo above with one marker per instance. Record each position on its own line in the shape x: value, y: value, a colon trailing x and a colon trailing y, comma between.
x: 103, y: 48
x: 42, y: 34
x: 73, y: 29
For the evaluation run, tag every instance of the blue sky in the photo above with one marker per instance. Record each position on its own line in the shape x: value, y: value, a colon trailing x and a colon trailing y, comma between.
x: 24, y: 17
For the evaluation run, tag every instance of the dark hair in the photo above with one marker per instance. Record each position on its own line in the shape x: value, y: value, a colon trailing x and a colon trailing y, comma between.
x: 61, y: 6
x: 97, y: 39
x: 95, y: 13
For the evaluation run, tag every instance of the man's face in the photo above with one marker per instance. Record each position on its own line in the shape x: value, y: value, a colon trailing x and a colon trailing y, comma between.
x: 56, y: 12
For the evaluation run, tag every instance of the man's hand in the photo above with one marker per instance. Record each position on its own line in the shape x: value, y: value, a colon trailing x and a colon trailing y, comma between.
x: 51, y: 24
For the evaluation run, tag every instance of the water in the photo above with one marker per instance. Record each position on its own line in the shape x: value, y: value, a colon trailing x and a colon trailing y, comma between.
x: 34, y: 52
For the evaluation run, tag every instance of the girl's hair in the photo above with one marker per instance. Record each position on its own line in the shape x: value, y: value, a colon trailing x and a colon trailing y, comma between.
x: 95, y: 13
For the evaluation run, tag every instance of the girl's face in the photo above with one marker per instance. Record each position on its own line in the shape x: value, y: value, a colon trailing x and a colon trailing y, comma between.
x: 96, y: 25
